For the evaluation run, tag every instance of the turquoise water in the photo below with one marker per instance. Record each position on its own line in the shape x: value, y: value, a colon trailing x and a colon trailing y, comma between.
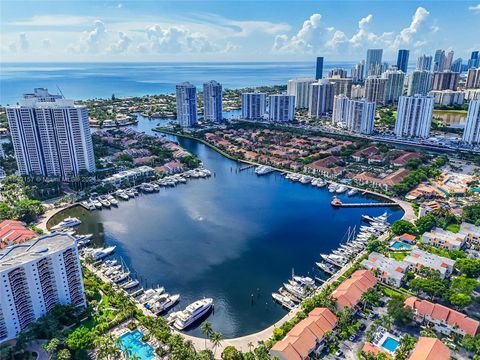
x: 398, y: 245
x: 390, y: 344
x: 132, y: 343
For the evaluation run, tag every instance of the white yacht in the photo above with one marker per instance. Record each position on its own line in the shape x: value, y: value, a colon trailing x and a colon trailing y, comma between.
x: 68, y: 222
x: 263, y: 170
x: 112, y: 200
x: 165, y: 303
x: 305, y: 179
x: 352, y: 192
x: 284, y: 300
x: 332, y: 187
x: 192, y: 313
x: 101, y: 253
x: 304, y: 280
x: 341, y: 189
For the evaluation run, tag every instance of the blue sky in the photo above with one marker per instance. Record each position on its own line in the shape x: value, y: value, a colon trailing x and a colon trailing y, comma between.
x: 232, y: 30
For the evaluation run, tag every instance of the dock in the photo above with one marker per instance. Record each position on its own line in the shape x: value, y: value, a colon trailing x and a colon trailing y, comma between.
x: 338, y: 203
x: 246, y: 167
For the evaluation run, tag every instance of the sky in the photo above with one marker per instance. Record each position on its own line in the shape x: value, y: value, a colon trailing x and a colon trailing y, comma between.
x: 97, y: 31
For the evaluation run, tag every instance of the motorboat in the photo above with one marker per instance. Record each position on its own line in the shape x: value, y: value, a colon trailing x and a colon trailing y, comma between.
x: 341, y: 189
x: 67, y: 223
x: 304, y: 280
x: 352, y: 192
x: 305, y: 179
x: 98, y: 254
x: 284, y: 300
x: 263, y: 170
x: 332, y: 187
x: 165, y: 303
x: 130, y: 284
x: 192, y: 313
x: 112, y: 200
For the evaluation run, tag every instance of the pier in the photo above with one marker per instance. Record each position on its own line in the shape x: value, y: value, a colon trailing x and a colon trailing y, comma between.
x: 246, y: 167
x: 338, y: 203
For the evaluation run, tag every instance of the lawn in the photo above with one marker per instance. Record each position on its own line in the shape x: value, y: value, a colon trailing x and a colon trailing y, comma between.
x: 453, y: 228
x: 462, y: 112
x: 399, y: 255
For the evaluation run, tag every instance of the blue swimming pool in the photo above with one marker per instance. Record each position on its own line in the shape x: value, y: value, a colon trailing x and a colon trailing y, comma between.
x: 390, y: 344
x: 398, y: 245
x: 131, y: 343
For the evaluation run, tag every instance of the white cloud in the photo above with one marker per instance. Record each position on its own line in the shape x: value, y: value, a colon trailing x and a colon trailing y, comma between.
x: 121, y: 45
x: 95, y: 36
x: 475, y: 8
x: 46, y: 43
x: 23, y: 43
x: 406, y: 36
x: 53, y: 20
x: 120, y: 6
x: 305, y: 40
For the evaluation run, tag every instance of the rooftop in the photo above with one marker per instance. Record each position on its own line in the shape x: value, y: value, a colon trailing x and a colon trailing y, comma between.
x: 350, y: 291
x: 428, y: 348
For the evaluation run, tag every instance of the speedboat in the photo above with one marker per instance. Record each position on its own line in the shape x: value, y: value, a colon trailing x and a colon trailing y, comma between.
x: 341, y: 189
x: 263, y: 170
x: 112, y: 200
x: 165, y: 303
x: 192, y: 313
x: 284, y: 300
x: 352, y: 192
x: 304, y: 280
x: 97, y: 204
x: 101, y: 253
x: 68, y: 222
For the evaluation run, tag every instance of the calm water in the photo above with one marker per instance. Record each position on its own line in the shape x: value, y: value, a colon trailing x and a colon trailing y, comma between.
x: 99, y: 80
x: 226, y: 237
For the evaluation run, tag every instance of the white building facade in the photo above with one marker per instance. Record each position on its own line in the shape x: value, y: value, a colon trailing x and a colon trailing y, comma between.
x: 281, y: 108
x: 186, y: 95
x: 360, y: 116
x: 322, y: 94
x: 414, y: 116
x: 35, y: 276
x: 394, y: 85
x: 51, y: 136
x: 300, y: 88
x: 253, y: 106
x: 212, y: 101
x: 419, y: 82
x: 471, y: 134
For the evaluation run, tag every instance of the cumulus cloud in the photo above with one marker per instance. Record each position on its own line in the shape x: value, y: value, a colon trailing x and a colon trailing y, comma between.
x: 306, y: 39
x: 406, y: 36
x: 91, y: 40
x: 175, y: 39
x: 121, y: 45
x: 475, y: 8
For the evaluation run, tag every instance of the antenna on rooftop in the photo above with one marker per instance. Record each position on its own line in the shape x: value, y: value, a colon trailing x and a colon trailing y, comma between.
x: 61, y: 93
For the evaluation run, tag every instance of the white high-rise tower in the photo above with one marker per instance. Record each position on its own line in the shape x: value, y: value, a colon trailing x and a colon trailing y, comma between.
x: 212, y: 101
x: 471, y: 134
x: 414, y: 116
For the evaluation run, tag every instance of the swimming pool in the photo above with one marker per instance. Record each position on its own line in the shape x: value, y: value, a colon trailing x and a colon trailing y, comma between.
x: 390, y: 344
x: 131, y: 343
x: 398, y: 245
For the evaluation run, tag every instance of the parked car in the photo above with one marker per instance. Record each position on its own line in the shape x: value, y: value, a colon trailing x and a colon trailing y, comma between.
x: 362, y: 327
x: 352, y: 337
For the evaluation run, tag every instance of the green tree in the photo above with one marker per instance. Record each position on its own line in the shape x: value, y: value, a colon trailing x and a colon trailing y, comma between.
x: 468, y: 267
x: 371, y: 297
x: 401, y: 314
x: 425, y: 223
x: 52, y: 346
x: 460, y: 300
x: 81, y: 338
x: 231, y: 353
x: 400, y: 227
x: 207, y: 330
x: 107, y: 348
x: 216, y: 339
x: 64, y: 354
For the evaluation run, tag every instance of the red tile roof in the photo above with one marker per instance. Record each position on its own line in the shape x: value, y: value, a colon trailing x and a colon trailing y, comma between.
x: 350, y: 291
x: 14, y: 232
x: 430, y: 349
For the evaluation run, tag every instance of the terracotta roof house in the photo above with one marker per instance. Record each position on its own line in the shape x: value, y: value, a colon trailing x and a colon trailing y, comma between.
x: 385, y: 182
x: 364, y: 153
x: 326, y: 167
x: 403, y: 159
x: 408, y: 238
x: 439, y: 237
x: 350, y: 291
x: 442, y: 318
x: 14, y: 232
x: 306, y: 337
x: 419, y: 258
x: 375, y: 350
x: 428, y: 348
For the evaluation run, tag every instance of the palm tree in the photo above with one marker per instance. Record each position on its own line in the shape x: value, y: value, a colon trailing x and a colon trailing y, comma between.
x: 207, y: 330
x: 250, y: 346
x: 216, y: 338
x: 107, y: 348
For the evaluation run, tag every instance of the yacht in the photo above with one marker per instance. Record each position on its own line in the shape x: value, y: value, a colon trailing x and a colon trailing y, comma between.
x: 130, y: 284
x: 297, y: 291
x: 121, y: 276
x: 352, y: 192
x: 68, y: 222
x: 284, y: 300
x: 130, y: 192
x: 112, y: 200
x: 304, y: 280
x: 263, y: 170
x: 165, y: 303
x: 329, y: 269
x: 305, y: 179
x: 97, y: 204
x: 101, y: 253
x: 332, y: 187
x: 192, y: 313
x: 320, y: 183
x: 341, y: 189
x: 88, y: 205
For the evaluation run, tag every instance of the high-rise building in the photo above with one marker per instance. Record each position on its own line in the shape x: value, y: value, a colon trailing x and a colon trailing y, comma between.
x: 373, y: 64
x: 37, y: 275
x: 474, y: 60
x: 51, y: 136
x: 471, y: 134
x: 321, y: 98
x: 338, y: 73
x: 319, y: 68
x: 448, y: 97
x: 439, y: 60
x: 358, y: 92
x: 253, y: 105
x: 449, y: 60
x: 414, y: 116
x: 300, y: 88
x: 473, y: 78
x: 402, y: 60
x: 424, y: 62
x: 360, y: 116
x: 419, y: 82
x: 457, y: 65
x: 212, y: 101
x: 375, y: 89
x: 343, y: 85
x: 394, y: 85
x: 281, y: 108
x: 339, y: 108
x: 445, y: 80
x: 358, y: 72
x: 186, y: 95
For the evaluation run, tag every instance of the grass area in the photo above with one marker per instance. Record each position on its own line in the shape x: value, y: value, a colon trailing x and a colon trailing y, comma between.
x: 462, y: 112
x: 453, y: 228
x: 399, y: 255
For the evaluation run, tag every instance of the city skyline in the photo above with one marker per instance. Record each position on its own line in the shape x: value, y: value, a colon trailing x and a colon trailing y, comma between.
x: 238, y: 31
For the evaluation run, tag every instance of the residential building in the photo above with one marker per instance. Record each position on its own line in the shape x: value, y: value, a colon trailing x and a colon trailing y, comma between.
x: 14, y: 232
x: 430, y: 348
x: 402, y: 60
x: 375, y: 89
x: 349, y: 292
x: 253, y: 106
x: 473, y: 78
x: 449, y: 60
x: 457, y: 65
x: 474, y: 60
x: 307, y: 337
x: 364, y: 154
x: 373, y: 63
x: 37, y: 275
x: 384, y: 181
x: 51, y: 136
x: 389, y: 270
x: 281, y: 108
x: 357, y: 72
x: 448, y: 97
x: 339, y: 108
x: 338, y: 73
x: 419, y: 82
x: 328, y: 167
x: 360, y: 116
x: 402, y: 159
x: 414, y: 116
x: 424, y: 62
x: 186, y: 95
x: 419, y: 258
x: 471, y: 134
x: 343, y: 86
x: 472, y: 94
x: 442, y: 318
x: 394, y: 85
x: 212, y: 101
x: 132, y: 176
x: 439, y: 60
x: 319, y: 68
x: 445, y: 80
x: 300, y: 88
x: 407, y: 238
x: 471, y: 232
x: 358, y: 92
x: 441, y: 238
x: 321, y: 98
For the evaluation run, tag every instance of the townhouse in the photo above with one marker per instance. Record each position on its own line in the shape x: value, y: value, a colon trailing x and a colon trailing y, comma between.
x: 428, y: 348
x: 471, y: 232
x: 350, y: 291
x: 388, y: 270
x: 441, y: 238
x: 419, y: 258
